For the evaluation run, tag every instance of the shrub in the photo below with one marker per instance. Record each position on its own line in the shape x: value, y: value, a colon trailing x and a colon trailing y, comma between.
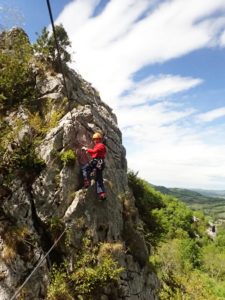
x: 58, y: 289
x: 22, y: 161
x: 68, y: 157
x: 56, y: 226
x: 41, y: 125
x: 13, y: 237
x: 17, y: 80
x: 147, y: 199
x: 93, y: 270
x: 88, y: 279
x: 25, y: 158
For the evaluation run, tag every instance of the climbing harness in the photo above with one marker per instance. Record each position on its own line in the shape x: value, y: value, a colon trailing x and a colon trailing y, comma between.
x: 100, y: 163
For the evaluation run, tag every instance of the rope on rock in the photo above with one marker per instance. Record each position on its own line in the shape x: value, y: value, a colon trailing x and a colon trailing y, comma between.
x: 38, y: 265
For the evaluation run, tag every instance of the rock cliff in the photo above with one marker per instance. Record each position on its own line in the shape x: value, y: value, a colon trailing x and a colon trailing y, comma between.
x: 40, y: 204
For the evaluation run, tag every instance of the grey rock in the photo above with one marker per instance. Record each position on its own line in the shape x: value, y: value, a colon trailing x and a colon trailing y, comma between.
x: 56, y: 193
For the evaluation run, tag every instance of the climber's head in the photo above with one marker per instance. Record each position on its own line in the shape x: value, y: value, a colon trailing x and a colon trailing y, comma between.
x: 97, y: 137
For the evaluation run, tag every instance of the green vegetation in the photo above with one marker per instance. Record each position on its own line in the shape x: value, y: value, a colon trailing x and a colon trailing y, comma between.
x: 21, y: 160
x: 45, y: 45
x: 59, y: 288
x: 29, y: 116
x: 189, y: 264
x: 19, y: 65
x: 94, y: 268
x: 68, y: 157
x: 163, y: 216
x: 17, y: 239
x: 16, y: 77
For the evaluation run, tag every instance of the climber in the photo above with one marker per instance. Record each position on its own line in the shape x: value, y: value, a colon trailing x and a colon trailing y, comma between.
x: 97, y: 164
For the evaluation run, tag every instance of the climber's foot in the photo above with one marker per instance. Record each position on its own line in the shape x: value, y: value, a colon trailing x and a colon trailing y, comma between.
x: 102, y: 196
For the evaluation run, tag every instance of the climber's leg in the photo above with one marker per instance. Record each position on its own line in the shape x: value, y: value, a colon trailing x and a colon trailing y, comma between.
x: 86, y: 171
x: 100, y: 188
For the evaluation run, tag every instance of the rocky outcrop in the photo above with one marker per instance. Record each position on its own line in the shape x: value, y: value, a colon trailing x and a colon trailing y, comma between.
x: 56, y: 194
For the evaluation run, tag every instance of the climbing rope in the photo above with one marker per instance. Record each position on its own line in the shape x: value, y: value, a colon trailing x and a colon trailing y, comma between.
x: 38, y: 265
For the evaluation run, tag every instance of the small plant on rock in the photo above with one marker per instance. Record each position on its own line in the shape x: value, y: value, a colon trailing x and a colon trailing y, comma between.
x: 68, y: 157
x: 94, y: 271
x: 59, y: 289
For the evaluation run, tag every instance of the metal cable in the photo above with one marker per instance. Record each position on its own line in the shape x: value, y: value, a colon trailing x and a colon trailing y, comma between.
x: 38, y: 265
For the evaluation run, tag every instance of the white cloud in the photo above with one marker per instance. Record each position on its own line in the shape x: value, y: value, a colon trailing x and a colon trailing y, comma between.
x: 180, y: 166
x: 154, y: 88
x: 129, y: 35
x: 222, y: 39
x: 148, y: 118
x: 211, y: 115
x: 112, y: 46
x: 76, y: 14
x: 173, y: 155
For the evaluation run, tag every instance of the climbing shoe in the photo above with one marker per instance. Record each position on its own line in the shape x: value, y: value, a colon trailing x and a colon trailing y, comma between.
x: 87, y: 183
x: 102, y: 196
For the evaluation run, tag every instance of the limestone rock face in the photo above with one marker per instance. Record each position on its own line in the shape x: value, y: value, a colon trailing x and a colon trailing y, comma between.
x: 57, y: 194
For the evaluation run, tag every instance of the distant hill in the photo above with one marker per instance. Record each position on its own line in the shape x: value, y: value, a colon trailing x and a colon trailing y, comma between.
x: 210, y: 201
x: 211, y: 193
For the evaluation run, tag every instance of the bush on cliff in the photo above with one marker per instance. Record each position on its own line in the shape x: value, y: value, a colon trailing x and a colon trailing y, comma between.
x: 16, y: 77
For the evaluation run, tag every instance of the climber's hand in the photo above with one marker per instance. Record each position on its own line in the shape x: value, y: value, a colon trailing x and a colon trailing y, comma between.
x: 84, y: 148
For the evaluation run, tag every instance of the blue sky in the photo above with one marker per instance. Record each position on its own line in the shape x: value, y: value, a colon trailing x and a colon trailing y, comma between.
x: 31, y: 15
x: 160, y: 64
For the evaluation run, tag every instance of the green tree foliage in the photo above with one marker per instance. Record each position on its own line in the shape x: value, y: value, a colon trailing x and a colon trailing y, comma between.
x: 179, y: 267
x: 147, y: 199
x: 190, y: 253
x: 16, y: 77
x: 163, y: 216
x: 220, y: 239
x: 189, y: 264
x: 213, y: 261
x: 174, y: 217
x: 46, y: 46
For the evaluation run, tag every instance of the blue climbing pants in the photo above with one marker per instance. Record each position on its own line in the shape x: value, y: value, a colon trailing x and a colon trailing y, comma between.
x: 95, y: 165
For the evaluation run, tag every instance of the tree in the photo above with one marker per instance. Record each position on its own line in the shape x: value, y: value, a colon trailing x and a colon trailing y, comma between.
x: 46, y: 45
